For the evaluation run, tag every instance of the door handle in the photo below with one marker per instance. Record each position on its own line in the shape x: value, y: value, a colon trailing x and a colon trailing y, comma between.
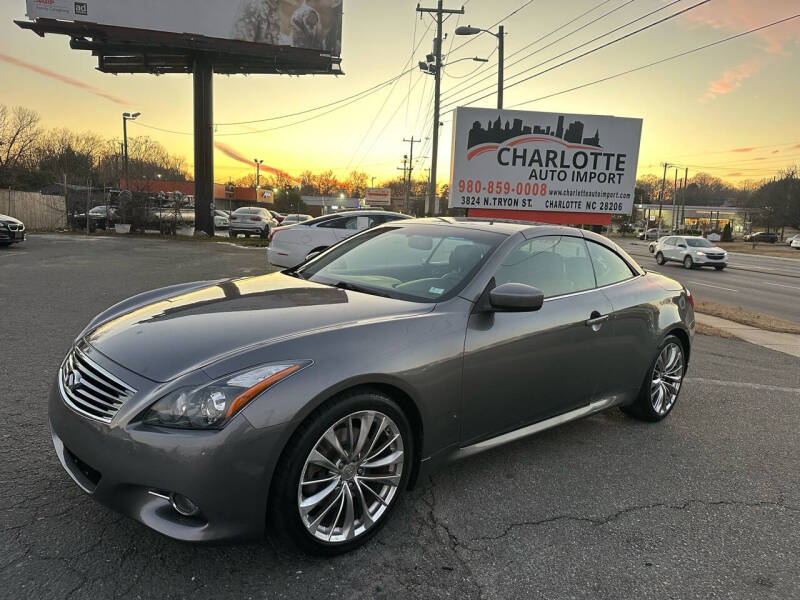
x: 596, y: 319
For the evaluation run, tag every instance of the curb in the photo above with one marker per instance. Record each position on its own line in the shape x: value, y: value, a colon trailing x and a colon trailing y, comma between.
x: 787, y: 343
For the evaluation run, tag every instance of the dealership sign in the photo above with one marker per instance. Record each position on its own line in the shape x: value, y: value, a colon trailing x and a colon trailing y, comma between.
x: 521, y: 160
x: 378, y: 197
x: 312, y: 24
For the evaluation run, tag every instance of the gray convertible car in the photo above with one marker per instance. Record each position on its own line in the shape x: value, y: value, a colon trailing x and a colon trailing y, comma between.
x: 303, y: 403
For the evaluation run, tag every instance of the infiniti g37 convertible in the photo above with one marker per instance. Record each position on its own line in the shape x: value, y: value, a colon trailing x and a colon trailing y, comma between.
x: 303, y: 403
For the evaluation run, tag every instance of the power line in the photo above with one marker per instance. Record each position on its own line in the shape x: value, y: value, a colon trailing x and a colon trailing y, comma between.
x: 580, y: 56
x: 565, y: 36
x: 661, y: 61
x: 583, y: 14
x: 508, y: 16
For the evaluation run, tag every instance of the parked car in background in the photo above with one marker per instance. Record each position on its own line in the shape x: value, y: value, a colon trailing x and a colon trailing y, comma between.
x: 691, y: 251
x: 295, y: 218
x: 762, y: 236
x: 650, y: 234
x: 277, y: 216
x: 251, y: 220
x: 221, y: 220
x: 291, y: 245
x: 12, y: 231
x: 305, y: 403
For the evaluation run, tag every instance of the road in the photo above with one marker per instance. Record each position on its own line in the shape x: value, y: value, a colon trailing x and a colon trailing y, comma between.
x: 761, y: 284
x: 703, y: 505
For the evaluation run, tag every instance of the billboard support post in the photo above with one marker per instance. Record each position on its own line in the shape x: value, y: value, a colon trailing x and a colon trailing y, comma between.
x: 203, y: 145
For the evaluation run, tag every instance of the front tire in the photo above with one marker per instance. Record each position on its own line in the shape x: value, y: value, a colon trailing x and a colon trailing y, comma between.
x: 660, y: 258
x: 340, y: 475
x: 719, y: 267
x: 688, y: 263
x: 662, y: 384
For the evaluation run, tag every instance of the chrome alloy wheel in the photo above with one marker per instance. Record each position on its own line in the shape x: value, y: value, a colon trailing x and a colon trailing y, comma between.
x: 351, y: 476
x: 667, y: 378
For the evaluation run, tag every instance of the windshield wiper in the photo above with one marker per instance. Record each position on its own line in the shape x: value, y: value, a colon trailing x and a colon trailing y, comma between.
x: 293, y: 272
x: 346, y: 285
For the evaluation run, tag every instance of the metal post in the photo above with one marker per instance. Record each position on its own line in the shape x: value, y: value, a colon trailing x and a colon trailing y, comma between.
x: 672, y: 224
x: 683, y: 207
x: 500, y: 51
x: 661, y: 197
x: 203, y: 145
x: 125, y: 150
x: 88, y: 201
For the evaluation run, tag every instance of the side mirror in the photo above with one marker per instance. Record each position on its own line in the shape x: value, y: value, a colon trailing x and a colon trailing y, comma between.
x: 313, y: 255
x: 516, y: 297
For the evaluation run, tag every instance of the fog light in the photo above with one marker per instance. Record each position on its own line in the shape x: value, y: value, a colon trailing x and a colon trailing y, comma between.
x: 184, y: 505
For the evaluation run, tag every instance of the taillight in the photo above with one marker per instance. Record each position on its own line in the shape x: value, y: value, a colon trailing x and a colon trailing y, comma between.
x: 255, y: 218
x: 233, y: 217
x: 690, y: 298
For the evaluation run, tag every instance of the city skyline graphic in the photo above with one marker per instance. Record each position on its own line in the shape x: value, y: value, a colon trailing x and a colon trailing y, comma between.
x: 496, y: 133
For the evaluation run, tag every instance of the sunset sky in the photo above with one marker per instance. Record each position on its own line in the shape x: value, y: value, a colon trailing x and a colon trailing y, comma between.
x: 731, y: 110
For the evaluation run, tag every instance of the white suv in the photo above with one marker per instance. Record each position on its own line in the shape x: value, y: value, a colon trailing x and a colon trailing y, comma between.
x: 289, y: 246
x: 691, y: 251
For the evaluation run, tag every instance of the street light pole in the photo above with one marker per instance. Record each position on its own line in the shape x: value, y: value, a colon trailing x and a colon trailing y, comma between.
x: 500, y: 35
x: 258, y: 175
x: 126, y: 116
x: 500, y: 60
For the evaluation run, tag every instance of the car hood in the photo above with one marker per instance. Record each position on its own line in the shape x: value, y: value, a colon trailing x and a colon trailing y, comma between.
x: 712, y: 250
x: 174, y: 335
x: 7, y: 219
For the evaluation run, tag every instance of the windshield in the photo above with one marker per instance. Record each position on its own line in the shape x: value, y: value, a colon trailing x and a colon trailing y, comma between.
x: 699, y: 243
x: 422, y: 263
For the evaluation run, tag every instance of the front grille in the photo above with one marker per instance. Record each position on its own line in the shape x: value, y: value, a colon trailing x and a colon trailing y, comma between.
x: 91, y: 390
x: 15, y: 226
x: 715, y: 256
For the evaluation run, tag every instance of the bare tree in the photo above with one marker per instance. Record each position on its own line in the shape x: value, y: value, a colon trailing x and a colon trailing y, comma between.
x: 19, y: 129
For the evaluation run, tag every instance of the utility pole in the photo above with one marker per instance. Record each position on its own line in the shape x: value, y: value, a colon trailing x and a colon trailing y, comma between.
x: 661, y: 197
x: 412, y: 141
x: 404, y: 168
x: 683, y: 207
x: 672, y: 220
x: 439, y: 13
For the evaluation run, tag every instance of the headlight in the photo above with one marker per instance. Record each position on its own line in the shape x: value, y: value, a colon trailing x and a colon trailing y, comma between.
x: 700, y: 253
x: 212, y: 405
x: 3, y: 225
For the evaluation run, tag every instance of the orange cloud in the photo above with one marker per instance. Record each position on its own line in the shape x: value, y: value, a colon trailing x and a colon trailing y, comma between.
x: 731, y: 79
x: 775, y: 151
x: 743, y: 149
x: 62, y: 78
x: 740, y: 15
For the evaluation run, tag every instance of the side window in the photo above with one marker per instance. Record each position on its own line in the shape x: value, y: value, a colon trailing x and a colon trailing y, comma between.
x: 556, y: 265
x: 670, y: 241
x: 609, y: 268
x: 333, y: 223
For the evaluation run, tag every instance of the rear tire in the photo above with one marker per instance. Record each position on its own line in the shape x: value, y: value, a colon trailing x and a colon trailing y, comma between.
x: 232, y: 234
x: 688, y: 263
x: 302, y: 509
x: 660, y: 258
x: 662, y: 383
x: 265, y: 233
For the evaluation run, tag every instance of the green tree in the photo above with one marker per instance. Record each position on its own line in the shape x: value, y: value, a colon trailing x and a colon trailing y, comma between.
x: 289, y: 201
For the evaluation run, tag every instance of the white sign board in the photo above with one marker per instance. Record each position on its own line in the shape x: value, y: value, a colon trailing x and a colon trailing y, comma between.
x: 312, y: 24
x: 378, y: 197
x: 521, y: 160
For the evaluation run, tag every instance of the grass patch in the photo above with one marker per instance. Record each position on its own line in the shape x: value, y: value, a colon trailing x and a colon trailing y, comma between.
x: 779, y: 250
x: 703, y: 329
x: 737, y: 314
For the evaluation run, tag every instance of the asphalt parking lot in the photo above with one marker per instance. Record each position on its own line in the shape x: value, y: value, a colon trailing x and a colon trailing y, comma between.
x: 703, y: 505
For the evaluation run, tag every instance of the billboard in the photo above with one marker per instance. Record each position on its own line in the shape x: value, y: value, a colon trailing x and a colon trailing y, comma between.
x: 378, y: 196
x: 522, y: 160
x: 310, y: 24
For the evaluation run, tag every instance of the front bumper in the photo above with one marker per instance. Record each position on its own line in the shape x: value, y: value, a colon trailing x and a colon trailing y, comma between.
x: 704, y: 261
x: 13, y: 237
x: 130, y: 468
